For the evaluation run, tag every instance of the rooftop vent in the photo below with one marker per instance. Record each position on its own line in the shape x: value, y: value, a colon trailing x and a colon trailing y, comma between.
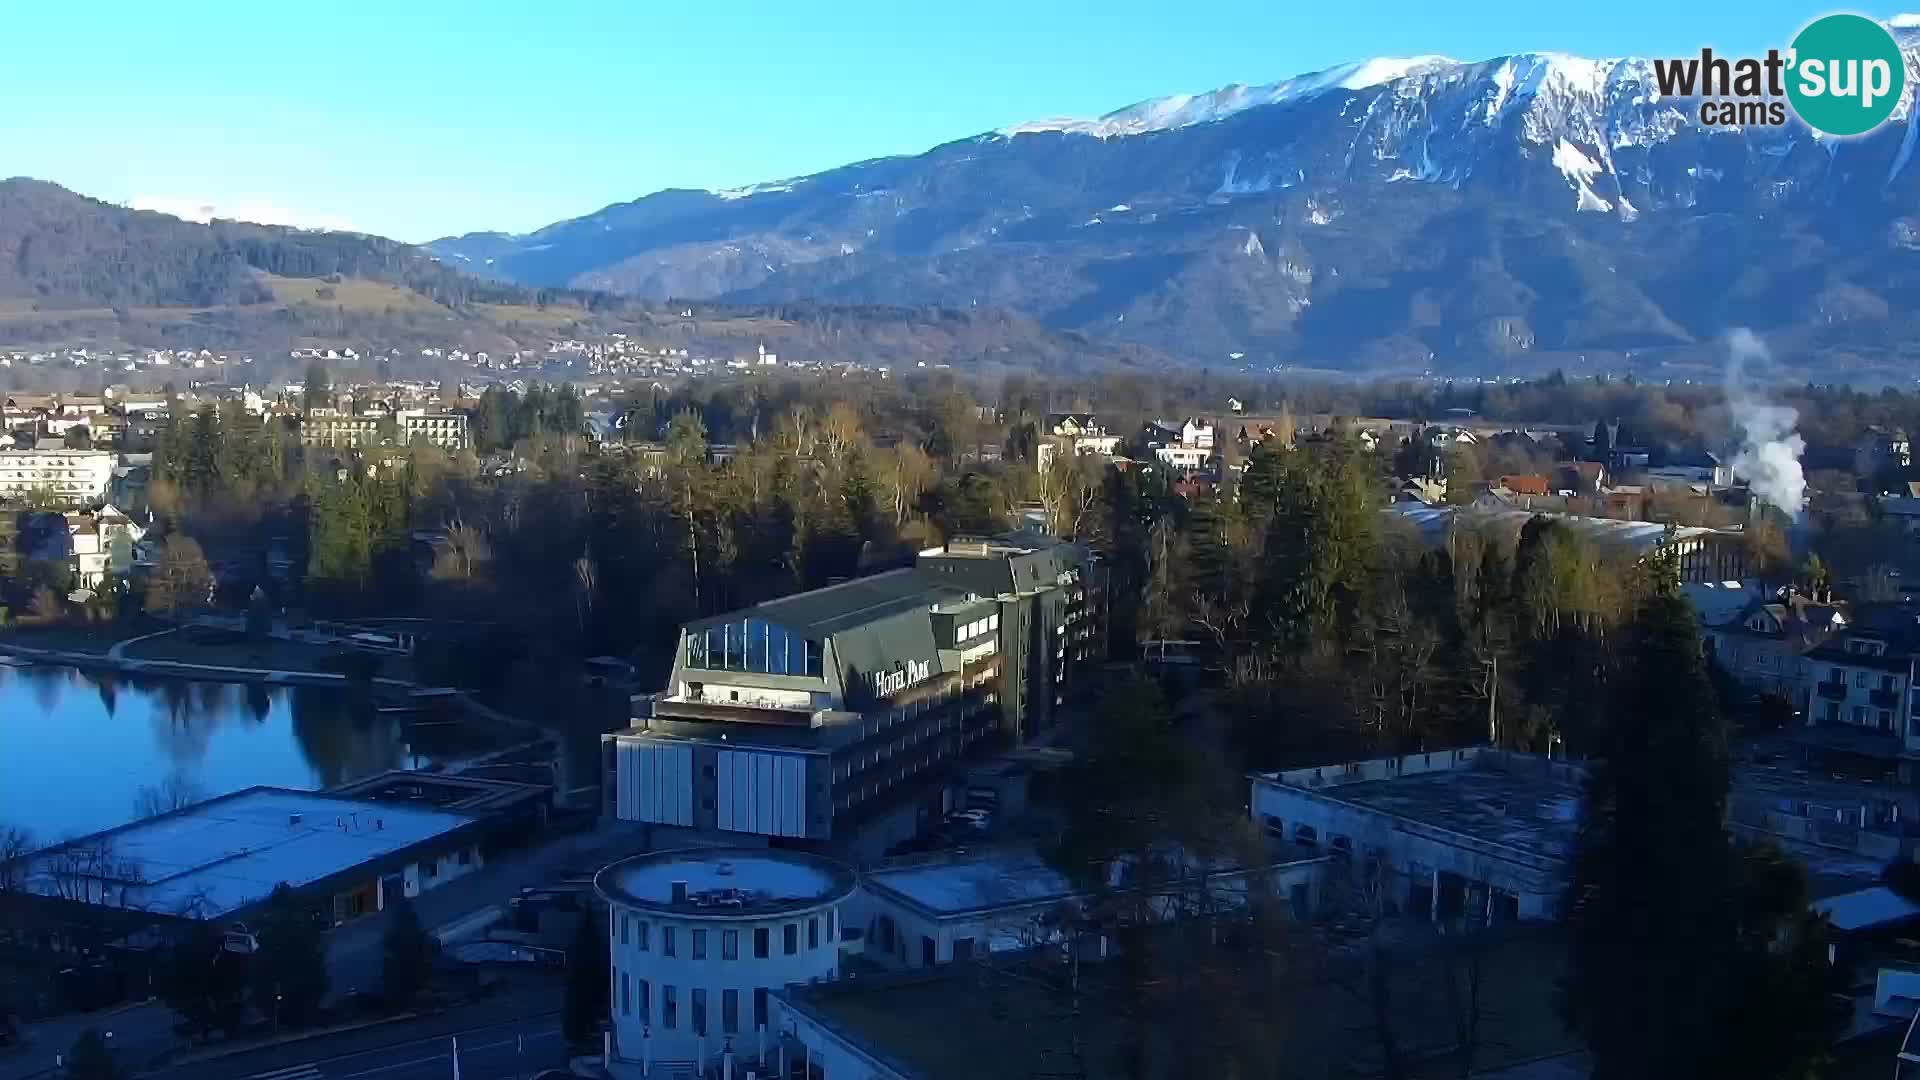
x: 294, y: 819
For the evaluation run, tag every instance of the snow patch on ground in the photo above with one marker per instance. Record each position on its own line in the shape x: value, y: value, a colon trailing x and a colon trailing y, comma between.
x: 1579, y: 169
x: 1183, y: 110
x: 769, y: 188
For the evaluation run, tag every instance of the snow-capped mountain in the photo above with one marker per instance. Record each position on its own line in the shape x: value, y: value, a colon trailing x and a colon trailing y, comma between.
x: 1525, y: 210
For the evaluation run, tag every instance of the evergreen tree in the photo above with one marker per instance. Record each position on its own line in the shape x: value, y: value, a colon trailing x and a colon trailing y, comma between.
x: 290, y: 970
x: 1652, y: 899
x: 204, y: 983
x: 318, y: 391
x: 406, y: 955
x: 589, y: 993
x: 339, y: 546
x: 91, y: 1060
x: 201, y: 473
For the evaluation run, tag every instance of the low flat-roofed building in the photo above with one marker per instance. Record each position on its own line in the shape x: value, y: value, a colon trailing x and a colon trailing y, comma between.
x: 503, y: 802
x: 221, y: 859
x: 922, y: 911
x: 1460, y: 832
x: 1702, y: 554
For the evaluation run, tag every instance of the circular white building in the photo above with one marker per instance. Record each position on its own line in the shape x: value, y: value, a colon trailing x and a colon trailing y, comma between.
x: 699, y: 937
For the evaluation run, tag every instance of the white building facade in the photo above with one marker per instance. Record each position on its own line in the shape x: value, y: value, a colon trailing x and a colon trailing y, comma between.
x: 1471, y: 833
x: 700, y: 939
x: 75, y: 476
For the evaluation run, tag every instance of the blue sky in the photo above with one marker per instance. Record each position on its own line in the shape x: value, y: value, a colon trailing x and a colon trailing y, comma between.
x: 416, y: 120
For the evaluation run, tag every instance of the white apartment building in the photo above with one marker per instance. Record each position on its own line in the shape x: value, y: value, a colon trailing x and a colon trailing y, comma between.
x: 72, y: 476
x: 447, y: 431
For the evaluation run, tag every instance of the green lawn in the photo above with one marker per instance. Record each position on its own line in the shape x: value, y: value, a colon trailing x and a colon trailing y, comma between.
x: 78, y: 637
x: 234, y: 650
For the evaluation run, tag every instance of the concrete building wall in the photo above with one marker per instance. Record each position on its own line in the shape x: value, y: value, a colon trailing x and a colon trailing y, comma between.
x: 682, y: 959
x: 827, y: 1054
x: 654, y: 782
x: 1424, y: 863
x: 761, y: 792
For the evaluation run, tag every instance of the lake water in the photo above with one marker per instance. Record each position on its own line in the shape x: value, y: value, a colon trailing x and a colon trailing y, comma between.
x: 78, y: 747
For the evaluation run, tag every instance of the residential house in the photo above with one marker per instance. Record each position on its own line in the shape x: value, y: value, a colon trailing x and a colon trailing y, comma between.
x: 1527, y: 484
x: 1864, y: 675
x: 1880, y: 450
x: 1074, y: 433
x: 1766, y: 649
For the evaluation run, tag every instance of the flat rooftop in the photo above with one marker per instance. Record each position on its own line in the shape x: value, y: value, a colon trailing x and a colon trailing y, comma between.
x: 443, y: 791
x: 1530, y: 807
x: 726, y: 882
x: 217, y: 857
x: 957, y: 883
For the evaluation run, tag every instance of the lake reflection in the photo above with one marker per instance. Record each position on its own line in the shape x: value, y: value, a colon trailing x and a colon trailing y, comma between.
x: 77, y: 748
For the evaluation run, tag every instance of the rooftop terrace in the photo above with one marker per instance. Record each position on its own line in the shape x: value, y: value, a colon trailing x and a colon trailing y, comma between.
x: 721, y: 882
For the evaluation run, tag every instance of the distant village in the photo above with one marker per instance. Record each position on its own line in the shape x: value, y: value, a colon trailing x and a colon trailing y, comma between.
x: 616, y: 355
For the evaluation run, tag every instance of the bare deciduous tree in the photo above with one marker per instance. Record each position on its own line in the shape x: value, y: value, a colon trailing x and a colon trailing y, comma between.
x: 175, y: 792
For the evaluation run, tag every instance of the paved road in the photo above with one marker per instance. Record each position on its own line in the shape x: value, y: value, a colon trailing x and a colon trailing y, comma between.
x: 513, y: 1050
x: 354, y: 951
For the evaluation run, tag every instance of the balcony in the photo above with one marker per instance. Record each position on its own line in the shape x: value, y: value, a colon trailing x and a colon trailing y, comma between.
x: 738, y: 712
x: 1884, y: 699
x: 1832, y: 691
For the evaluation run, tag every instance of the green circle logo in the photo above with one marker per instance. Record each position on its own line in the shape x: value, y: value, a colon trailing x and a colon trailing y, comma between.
x: 1845, y: 74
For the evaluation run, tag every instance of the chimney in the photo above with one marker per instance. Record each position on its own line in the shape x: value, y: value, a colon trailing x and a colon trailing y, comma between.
x: 679, y: 892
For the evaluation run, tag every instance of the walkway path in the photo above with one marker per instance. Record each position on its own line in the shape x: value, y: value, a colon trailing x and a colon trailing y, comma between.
x: 118, y: 650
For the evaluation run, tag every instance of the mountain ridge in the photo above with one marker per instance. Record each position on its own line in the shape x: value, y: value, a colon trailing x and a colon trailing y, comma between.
x: 80, y: 272
x: 1233, y: 223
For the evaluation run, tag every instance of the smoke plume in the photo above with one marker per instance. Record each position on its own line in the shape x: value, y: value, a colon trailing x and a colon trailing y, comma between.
x: 1769, y: 455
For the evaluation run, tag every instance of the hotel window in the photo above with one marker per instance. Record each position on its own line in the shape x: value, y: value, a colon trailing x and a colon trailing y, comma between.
x: 790, y: 937
x: 813, y: 931
x: 729, y: 1012
x: 699, y: 944
x: 646, y: 1001
x: 759, y: 1008
x: 736, y: 646
x: 643, y: 934
x: 1860, y: 679
x: 699, y: 1011
x: 760, y: 936
x: 626, y: 996
x: 729, y: 944
x: 626, y: 924
x: 669, y: 1007
x: 667, y: 943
